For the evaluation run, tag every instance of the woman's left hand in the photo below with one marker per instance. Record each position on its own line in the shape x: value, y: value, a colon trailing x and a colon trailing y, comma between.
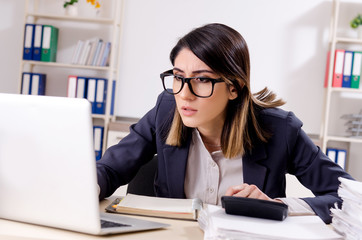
x: 248, y: 191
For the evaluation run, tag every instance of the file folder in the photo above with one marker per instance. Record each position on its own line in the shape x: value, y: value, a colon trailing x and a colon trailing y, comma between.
x: 72, y: 86
x: 332, y: 154
x: 38, y: 33
x: 81, y: 87
x: 101, y: 52
x: 38, y: 84
x: 338, y: 68
x: 91, y: 92
x: 25, y: 83
x: 94, y: 44
x: 356, y: 69
x: 113, y: 97
x: 97, y: 53
x: 85, y: 52
x: 341, y: 158
x: 28, y: 42
x: 106, y: 54
x: 347, y: 69
x: 49, y: 44
x: 101, y: 96
x: 98, y: 141
x: 77, y: 52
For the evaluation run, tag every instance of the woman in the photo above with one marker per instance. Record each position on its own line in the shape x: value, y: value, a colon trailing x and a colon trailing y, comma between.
x: 213, y: 137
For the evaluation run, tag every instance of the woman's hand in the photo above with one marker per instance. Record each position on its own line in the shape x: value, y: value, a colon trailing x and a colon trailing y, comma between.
x: 248, y: 191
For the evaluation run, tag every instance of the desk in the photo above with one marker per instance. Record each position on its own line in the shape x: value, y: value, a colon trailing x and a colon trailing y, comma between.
x: 179, y: 229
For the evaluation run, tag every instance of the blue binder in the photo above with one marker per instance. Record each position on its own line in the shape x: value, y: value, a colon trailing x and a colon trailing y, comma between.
x: 26, y: 83
x: 91, y: 92
x: 38, y: 81
x: 341, y: 158
x: 81, y: 87
x: 101, y: 96
x: 332, y: 154
x: 38, y: 36
x: 98, y: 141
x: 28, y: 41
x: 113, y: 97
x: 347, y: 69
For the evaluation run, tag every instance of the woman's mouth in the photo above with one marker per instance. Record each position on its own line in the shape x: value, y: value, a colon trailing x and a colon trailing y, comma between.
x: 188, y: 111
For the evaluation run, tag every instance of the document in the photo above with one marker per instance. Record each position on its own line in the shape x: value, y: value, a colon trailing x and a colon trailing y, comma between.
x: 348, y: 220
x: 219, y: 225
x: 159, y: 207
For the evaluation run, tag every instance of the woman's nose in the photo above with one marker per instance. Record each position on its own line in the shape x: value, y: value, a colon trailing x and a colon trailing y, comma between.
x: 186, y: 93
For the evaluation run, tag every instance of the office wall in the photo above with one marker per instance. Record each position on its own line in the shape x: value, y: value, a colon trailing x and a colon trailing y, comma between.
x: 287, y: 41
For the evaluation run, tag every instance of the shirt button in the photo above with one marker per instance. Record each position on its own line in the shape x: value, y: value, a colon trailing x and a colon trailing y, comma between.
x: 213, y: 164
x: 211, y: 190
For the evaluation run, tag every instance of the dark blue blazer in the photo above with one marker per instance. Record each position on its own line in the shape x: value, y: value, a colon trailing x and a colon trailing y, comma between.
x: 289, y: 150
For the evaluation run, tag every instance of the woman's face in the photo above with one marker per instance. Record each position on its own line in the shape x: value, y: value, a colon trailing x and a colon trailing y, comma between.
x: 202, y: 113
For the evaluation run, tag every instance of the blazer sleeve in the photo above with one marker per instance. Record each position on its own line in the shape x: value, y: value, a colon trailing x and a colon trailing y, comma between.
x: 314, y: 170
x: 121, y: 162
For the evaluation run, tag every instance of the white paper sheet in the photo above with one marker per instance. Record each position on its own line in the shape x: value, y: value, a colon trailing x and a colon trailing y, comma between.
x: 221, y: 224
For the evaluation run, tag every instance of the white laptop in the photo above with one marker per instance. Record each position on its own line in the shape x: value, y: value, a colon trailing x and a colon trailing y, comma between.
x: 47, y: 166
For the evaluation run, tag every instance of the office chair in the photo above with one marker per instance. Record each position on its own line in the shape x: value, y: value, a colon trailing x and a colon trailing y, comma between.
x: 142, y: 183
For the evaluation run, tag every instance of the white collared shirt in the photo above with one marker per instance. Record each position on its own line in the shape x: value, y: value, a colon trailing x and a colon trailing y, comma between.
x: 209, y: 175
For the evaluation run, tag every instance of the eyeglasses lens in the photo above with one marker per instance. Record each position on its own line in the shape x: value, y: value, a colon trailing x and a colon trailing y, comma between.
x: 200, y: 87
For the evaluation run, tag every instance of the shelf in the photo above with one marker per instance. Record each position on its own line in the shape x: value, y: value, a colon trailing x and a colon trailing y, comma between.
x: 101, y: 116
x: 341, y: 89
x: 344, y: 139
x: 348, y: 40
x: 329, y: 91
x: 82, y: 23
x: 71, y: 18
x: 67, y: 65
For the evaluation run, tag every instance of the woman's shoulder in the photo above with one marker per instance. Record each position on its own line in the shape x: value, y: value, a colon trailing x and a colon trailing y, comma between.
x: 279, y: 116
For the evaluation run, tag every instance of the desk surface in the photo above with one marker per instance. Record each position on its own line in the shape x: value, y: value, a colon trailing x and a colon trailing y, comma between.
x: 179, y: 229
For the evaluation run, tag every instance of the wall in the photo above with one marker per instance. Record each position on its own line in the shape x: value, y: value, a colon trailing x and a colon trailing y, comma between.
x: 287, y: 40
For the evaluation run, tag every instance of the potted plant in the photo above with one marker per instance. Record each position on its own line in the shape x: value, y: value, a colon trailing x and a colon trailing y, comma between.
x: 70, y: 8
x: 356, y: 24
x: 69, y: 3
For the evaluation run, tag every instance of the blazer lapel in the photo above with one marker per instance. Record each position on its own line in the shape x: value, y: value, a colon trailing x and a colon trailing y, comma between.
x: 253, y: 172
x: 175, y: 161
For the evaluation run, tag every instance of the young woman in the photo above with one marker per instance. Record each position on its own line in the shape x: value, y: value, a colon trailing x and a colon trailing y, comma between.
x: 213, y: 137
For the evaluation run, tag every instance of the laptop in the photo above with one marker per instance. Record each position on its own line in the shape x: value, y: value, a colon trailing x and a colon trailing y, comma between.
x: 48, y: 167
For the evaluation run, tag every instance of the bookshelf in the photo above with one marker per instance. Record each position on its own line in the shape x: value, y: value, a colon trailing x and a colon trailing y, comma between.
x: 106, y: 25
x: 329, y: 138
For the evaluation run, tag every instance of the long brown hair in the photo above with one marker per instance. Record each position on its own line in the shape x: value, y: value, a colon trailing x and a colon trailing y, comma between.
x: 225, y: 51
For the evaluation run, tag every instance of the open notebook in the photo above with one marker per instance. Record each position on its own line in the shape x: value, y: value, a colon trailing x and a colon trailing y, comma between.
x: 48, y: 167
x: 187, y: 209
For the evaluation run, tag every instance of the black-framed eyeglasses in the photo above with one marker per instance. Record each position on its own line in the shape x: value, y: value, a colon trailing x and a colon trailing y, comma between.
x: 202, y: 87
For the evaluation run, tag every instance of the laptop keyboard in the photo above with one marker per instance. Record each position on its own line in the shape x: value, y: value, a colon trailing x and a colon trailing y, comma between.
x: 109, y: 224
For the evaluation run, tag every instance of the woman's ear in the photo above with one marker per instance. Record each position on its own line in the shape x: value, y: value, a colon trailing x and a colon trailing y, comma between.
x: 233, y: 93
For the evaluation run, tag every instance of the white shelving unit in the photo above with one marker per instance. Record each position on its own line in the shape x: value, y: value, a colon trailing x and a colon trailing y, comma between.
x: 325, y: 136
x: 113, y: 22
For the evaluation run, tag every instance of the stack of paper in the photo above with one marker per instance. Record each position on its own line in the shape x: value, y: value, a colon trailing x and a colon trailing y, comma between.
x: 219, y: 225
x: 348, y: 220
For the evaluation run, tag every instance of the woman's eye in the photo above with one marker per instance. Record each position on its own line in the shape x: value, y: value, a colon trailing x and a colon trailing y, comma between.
x: 202, y: 80
x: 178, y: 78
